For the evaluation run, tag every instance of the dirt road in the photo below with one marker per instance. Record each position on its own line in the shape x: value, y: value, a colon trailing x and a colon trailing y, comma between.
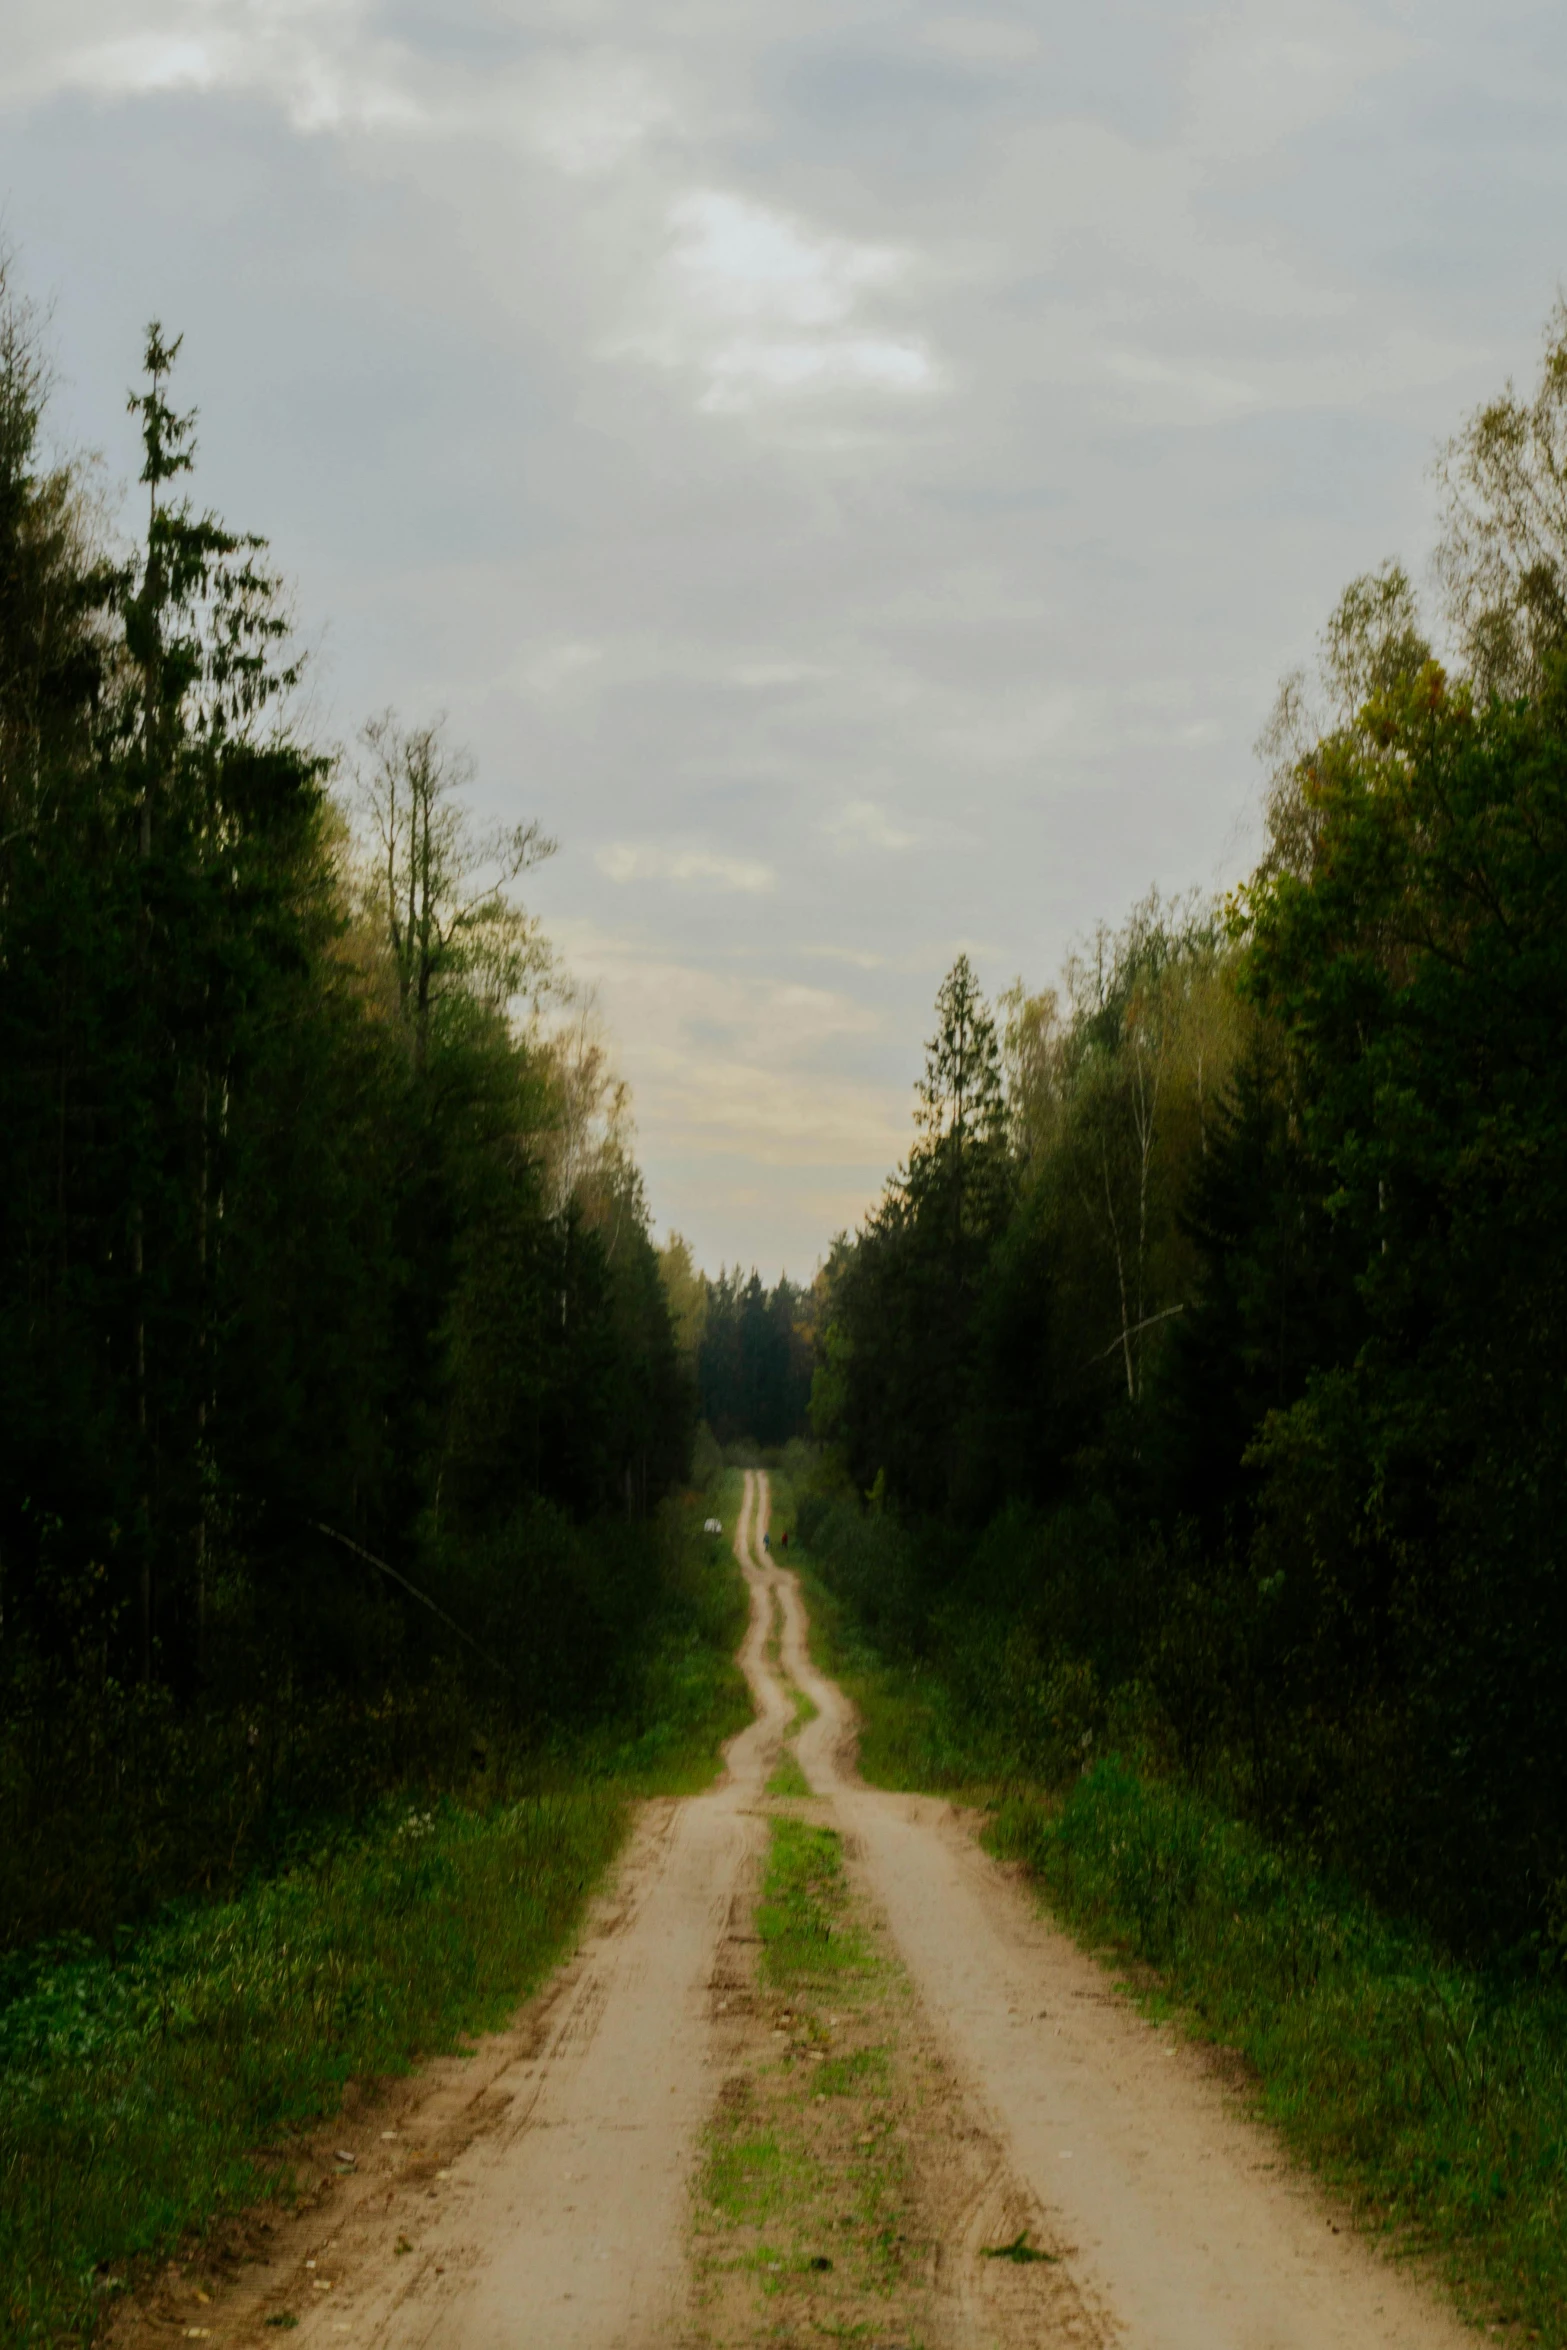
x: 547, y: 2195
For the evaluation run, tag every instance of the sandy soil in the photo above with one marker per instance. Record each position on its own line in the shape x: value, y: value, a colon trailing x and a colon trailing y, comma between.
x: 546, y: 2194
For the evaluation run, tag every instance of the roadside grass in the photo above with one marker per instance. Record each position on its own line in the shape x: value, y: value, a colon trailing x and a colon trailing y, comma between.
x: 693, y: 1695
x: 139, y: 2098
x: 145, y: 2092
x: 908, y: 1738
x: 1432, y: 2098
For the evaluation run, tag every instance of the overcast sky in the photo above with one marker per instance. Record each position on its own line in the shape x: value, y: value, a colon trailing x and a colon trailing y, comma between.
x: 855, y: 471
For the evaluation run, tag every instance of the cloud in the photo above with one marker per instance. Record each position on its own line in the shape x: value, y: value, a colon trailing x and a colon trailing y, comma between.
x: 588, y: 115
x: 761, y: 307
x: 761, y: 676
x: 738, y: 1069
x: 320, y: 61
x: 555, y: 669
x: 704, y: 868
x: 981, y: 40
x: 864, y: 824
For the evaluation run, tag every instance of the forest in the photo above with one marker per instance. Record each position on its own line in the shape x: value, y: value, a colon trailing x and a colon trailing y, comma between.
x: 750, y: 1349
x: 1194, y: 1391
x: 338, y: 1385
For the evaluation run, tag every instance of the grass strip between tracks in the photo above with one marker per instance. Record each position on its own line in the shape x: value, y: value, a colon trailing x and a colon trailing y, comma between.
x: 806, y: 2209
x: 142, y: 2096
x: 1431, y: 2097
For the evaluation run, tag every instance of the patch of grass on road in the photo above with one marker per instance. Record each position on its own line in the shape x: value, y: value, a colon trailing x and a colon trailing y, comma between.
x: 144, y: 2093
x: 803, y: 1921
x: 788, y: 1780
x: 807, y: 2209
x: 753, y: 2179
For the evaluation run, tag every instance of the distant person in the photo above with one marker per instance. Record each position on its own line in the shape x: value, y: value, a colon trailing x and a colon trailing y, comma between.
x: 767, y: 1542
x: 785, y: 1542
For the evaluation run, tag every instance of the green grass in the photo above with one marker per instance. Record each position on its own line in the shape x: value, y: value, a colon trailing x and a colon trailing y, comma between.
x: 143, y: 2094
x: 803, y: 1919
x: 1436, y: 2101
x: 751, y: 2180
x: 865, y: 2072
x: 788, y: 1780
x: 909, y: 1738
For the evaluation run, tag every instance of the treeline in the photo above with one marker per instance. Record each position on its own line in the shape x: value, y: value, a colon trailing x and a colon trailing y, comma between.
x: 751, y: 1350
x: 336, y: 1372
x: 1198, y: 1379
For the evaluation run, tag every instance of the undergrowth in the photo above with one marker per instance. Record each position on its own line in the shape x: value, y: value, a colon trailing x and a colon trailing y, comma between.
x: 1433, y: 2097
x: 149, y: 2086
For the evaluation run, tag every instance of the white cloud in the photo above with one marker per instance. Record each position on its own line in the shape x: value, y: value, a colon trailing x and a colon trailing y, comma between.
x: 865, y: 824
x: 319, y: 60
x: 734, y: 1066
x: 760, y: 306
x: 1270, y: 70
x: 703, y: 868
x: 1199, y: 389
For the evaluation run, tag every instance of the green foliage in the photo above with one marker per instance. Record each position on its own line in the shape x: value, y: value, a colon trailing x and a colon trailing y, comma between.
x: 1238, y: 1422
x: 753, y: 1360
x: 332, y: 1339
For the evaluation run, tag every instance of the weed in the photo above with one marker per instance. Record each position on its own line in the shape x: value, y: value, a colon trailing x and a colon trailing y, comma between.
x: 1019, y: 2250
x: 750, y: 2180
x: 864, y: 2072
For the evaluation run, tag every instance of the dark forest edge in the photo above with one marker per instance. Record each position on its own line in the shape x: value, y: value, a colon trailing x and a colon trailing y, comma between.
x: 1193, y: 1451
x: 1430, y: 2095
x: 339, y: 1389
x: 152, y: 2087
x: 350, y: 1580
